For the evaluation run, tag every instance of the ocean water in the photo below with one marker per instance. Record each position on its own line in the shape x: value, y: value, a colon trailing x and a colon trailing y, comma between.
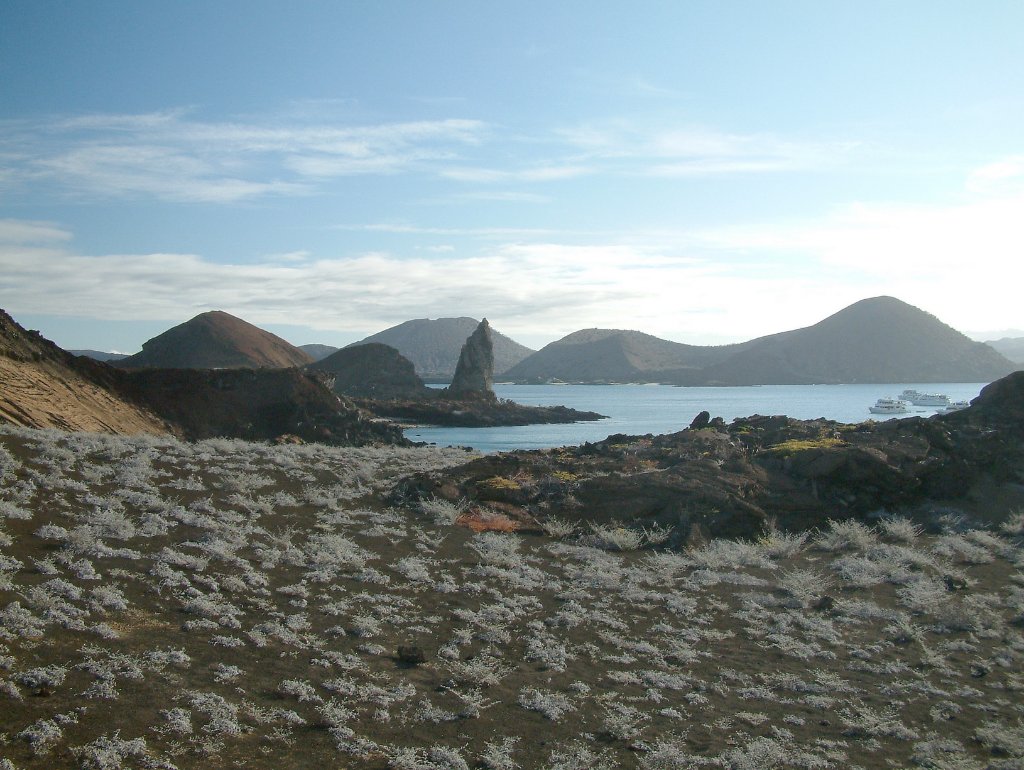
x: 642, y: 409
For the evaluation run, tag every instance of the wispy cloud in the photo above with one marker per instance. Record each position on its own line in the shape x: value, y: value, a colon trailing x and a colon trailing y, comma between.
x: 998, y: 176
x: 959, y: 260
x: 170, y: 155
x: 22, y: 231
x: 698, y: 151
x: 174, y: 155
x: 534, y: 289
x: 548, y: 173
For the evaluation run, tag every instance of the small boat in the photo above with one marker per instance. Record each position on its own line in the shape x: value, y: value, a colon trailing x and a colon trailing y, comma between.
x: 956, y: 406
x: 888, y: 406
x: 924, y: 399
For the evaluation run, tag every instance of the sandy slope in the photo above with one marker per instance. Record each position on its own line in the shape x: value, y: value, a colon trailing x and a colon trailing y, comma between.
x: 47, y: 395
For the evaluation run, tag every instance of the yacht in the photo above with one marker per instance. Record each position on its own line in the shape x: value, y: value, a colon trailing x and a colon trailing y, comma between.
x: 888, y: 406
x: 924, y: 399
x: 956, y: 406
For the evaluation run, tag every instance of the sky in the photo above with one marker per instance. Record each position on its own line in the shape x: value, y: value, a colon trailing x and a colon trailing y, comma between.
x: 704, y: 171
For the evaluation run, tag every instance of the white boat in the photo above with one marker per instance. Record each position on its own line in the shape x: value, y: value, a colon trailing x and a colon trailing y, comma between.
x: 924, y: 399
x: 956, y: 406
x: 888, y: 406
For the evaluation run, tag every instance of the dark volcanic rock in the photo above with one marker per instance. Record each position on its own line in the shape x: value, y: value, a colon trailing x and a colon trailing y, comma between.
x: 256, y: 404
x: 474, y: 374
x: 473, y: 412
x: 732, y: 480
x: 387, y: 386
x: 372, y: 371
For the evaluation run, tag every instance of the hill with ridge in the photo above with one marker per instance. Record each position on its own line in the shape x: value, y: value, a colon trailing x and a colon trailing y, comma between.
x: 875, y: 340
x: 43, y: 386
x: 216, y: 340
x: 613, y: 355
x: 434, y: 345
x: 318, y: 351
x: 881, y: 339
x: 1011, y: 347
x: 99, y: 355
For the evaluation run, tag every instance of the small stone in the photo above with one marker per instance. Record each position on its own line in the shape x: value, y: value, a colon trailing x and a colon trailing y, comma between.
x: 700, y: 421
x: 823, y: 604
x: 411, y: 655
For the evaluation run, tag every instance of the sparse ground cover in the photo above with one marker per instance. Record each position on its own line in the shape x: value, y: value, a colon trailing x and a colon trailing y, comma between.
x: 224, y: 604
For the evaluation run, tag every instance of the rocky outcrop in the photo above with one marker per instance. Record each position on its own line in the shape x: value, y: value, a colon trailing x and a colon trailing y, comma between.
x: 216, y: 340
x: 372, y: 371
x: 474, y: 413
x: 474, y: 374
x: 734, y: 479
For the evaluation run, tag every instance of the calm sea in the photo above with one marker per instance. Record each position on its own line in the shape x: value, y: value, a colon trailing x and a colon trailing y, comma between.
x: 641, y: 409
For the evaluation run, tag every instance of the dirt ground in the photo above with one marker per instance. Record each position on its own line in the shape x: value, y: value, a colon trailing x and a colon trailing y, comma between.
x: 225, y: 604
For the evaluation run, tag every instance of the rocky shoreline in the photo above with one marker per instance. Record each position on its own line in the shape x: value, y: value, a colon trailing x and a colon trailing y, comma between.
x: 473, y: 413
x: 736, y: 480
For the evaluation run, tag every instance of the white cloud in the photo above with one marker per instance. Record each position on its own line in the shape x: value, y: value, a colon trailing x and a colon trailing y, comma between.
x: 170, y: 156
x: 536, y: 289
x: 998, y: 176
x: 14, y: 231
x: 960, y: 261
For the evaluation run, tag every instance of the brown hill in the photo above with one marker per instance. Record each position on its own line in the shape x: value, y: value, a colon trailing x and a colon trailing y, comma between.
x: 43, y: 386
x: 216, y: 340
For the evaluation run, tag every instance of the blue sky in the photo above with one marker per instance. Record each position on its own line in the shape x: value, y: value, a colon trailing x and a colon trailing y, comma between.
x: 703, y: 171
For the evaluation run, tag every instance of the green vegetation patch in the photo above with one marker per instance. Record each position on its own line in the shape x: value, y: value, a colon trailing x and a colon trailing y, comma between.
x: 802, y: 445
x: 499, y: 482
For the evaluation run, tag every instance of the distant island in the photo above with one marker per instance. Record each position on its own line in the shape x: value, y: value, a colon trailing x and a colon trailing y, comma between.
x: 383, y: 381
x: 881, y: 339
x: 434, y: 345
